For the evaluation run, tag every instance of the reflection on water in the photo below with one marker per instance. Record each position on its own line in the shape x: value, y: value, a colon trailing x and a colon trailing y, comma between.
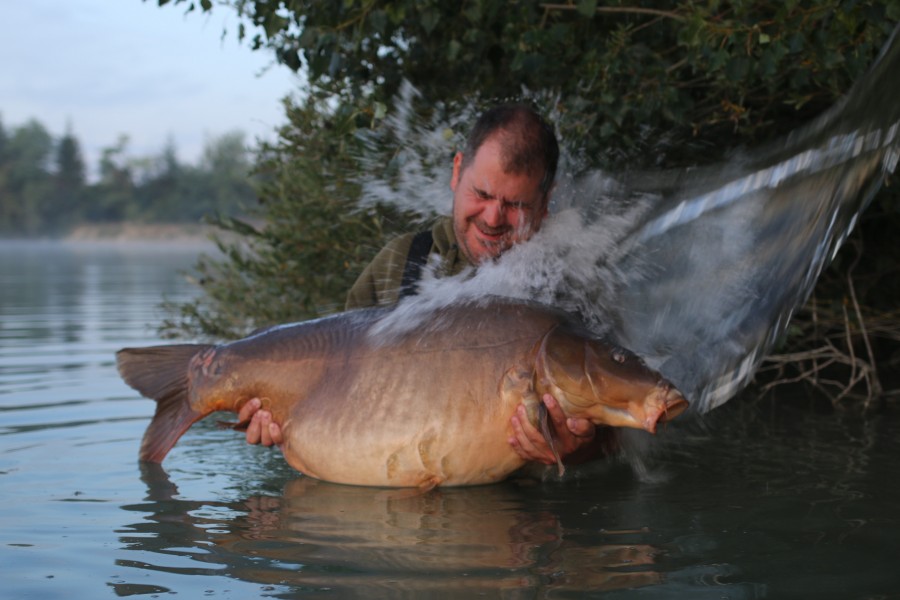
x: 322, y: 536
x: 65, y: 309
x: 770, y: 502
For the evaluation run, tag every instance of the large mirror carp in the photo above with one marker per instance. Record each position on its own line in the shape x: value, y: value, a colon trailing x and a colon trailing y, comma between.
x: 425, y: 405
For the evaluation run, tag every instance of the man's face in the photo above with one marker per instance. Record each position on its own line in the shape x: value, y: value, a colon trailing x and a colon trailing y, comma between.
x: 493, y: 209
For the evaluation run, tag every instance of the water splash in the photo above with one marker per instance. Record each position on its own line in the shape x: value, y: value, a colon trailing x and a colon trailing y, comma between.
x: 417, y: 176
x: 697, y: 270
x: 734, y: 250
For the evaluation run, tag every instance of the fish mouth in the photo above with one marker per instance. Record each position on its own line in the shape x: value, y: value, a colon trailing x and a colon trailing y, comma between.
x: 670, y: 404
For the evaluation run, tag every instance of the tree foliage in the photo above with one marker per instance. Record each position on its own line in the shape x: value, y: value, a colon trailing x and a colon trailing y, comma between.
x: 708, y: 74
x: 24, y: 175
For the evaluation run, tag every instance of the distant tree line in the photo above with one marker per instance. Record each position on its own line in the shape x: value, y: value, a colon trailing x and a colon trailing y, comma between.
x: 45, y: 188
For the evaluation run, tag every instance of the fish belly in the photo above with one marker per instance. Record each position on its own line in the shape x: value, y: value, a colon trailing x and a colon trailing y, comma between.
x: 394, y: 419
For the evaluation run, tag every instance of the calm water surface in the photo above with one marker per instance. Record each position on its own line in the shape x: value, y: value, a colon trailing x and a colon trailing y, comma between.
x: 762, y: 501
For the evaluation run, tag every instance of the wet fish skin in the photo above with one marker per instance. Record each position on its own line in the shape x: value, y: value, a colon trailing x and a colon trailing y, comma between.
x: 430, y: 406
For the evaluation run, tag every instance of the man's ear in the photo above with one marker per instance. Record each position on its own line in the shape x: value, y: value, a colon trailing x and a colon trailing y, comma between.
x: 457, y: 170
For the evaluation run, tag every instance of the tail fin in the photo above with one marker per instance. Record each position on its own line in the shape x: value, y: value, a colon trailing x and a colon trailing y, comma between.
x: 161, y: 373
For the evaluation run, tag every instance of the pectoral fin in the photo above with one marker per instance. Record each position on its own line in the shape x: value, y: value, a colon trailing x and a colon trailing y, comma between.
x: 544, y: 420
x: 517, y: 386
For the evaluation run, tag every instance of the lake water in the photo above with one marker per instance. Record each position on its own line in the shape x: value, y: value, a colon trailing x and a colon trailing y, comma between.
x: 761, y: 500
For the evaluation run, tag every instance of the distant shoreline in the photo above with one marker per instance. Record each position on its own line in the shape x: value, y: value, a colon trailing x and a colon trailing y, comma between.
x: 140, y: 232
x: 155, y: 236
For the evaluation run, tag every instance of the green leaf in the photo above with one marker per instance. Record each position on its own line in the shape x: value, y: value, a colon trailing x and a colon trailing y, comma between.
x: 453, y: 49
x: 429, y: 19
x: 737, y: 68
x: 587, y: 8
x: 893, y: 10
x: 473, y: 12
x: 273, y: 25
x: 378, y: 21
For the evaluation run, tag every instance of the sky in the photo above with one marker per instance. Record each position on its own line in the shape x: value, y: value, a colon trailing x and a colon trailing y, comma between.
x: 102, y: 68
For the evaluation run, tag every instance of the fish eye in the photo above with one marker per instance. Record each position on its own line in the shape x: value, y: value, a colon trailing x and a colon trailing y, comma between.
x: 619, y: 355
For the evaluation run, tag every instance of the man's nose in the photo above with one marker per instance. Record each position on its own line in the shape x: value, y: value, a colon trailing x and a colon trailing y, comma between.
x: 493, y: 215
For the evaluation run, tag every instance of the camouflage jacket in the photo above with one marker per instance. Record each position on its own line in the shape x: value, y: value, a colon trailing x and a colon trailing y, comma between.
x: 380, y: 282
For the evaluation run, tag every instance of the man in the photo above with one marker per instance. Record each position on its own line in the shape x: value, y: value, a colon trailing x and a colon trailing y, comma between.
x: 501, y: 186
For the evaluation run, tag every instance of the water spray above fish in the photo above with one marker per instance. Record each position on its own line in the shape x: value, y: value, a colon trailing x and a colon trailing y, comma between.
x: 425, y: 407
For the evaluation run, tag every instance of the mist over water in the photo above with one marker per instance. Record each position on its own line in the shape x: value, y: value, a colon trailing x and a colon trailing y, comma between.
x: 697, y: 270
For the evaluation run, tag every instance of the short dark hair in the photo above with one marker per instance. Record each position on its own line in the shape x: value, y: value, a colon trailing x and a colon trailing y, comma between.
x: 527, y: 141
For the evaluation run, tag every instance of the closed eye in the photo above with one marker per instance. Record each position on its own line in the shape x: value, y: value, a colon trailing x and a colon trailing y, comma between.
x: 484, y: 195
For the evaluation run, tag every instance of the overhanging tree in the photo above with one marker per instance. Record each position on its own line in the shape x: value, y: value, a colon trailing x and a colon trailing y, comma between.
x: 618, y: 69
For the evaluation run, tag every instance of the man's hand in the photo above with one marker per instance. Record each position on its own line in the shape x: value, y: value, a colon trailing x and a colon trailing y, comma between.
x: 261, y: 429
x: 570, y: 434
